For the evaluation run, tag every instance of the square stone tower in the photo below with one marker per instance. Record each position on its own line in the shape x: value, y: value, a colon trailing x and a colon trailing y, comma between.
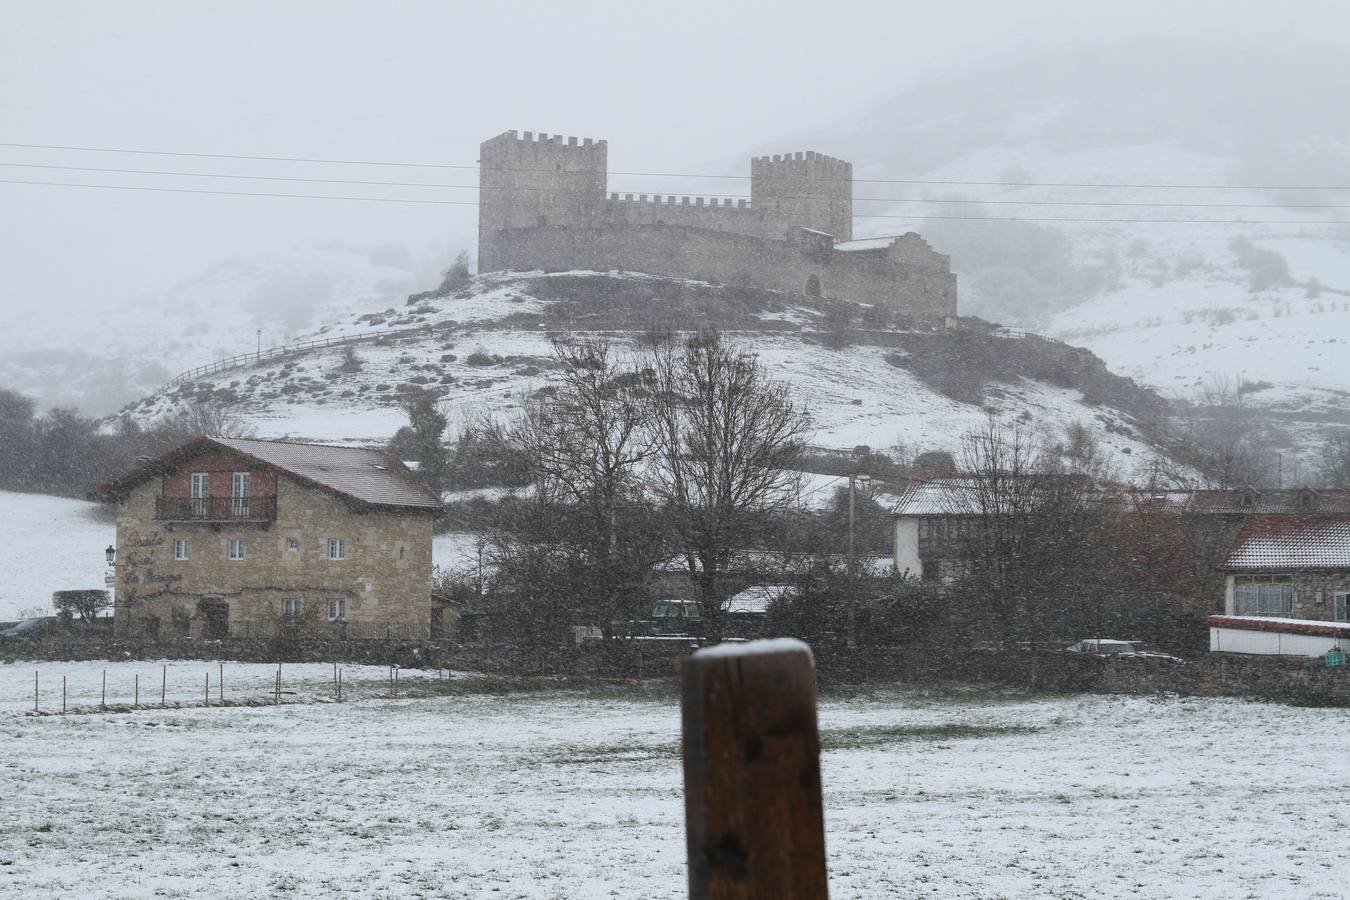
x: 530, y: 180
x: 805, y: 189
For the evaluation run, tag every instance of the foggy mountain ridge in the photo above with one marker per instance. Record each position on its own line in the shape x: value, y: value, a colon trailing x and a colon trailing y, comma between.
x: 1140, y: 110
x: 98, y: 363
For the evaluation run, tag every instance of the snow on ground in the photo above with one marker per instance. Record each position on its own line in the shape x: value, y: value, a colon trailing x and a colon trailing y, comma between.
x: 48, y: 544
x: 455, y: 550
x: 572, y: 795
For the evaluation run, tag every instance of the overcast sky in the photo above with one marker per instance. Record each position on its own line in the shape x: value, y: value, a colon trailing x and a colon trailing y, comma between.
x: 674, y: 86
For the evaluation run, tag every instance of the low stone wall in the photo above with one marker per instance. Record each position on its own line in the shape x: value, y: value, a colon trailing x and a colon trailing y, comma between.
x: 1282, y: 679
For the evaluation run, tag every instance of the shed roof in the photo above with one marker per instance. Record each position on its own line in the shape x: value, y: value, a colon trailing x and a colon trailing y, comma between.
x: 370, y: 477
x: 1290, y: 543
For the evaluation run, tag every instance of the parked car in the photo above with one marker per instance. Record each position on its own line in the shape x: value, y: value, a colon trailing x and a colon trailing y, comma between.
x: 1115, y: 649
x: 669, y: 617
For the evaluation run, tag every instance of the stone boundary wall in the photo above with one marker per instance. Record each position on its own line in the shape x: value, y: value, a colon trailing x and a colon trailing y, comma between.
x: 1306, y: 682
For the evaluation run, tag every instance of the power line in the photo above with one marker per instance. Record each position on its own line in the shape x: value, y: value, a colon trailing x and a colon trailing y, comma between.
x: 128, y: 187
x: 922, y: 218
x: 474, y: 187
x: 918, y: 181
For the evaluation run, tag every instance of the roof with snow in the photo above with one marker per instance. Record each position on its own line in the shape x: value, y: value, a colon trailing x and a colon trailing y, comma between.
x: 877, y: 243
x: 368, y: 477
x: 1291, y: 542
x: 1276, y: 623
x: 949, y: 495
x: 969, y: 495
x: 756, y: 599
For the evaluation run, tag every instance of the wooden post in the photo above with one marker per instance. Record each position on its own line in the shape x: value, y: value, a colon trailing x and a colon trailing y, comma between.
x: 277, y: 699
x: 136, y: 689
x: 754, y: 818
x: 163, y: 683
x: 395, y: 682
x: 206, y: 692
x: 63, y: 695
x: 103, y: 703
x: 339, y: 685
x: 220, y: 689
x: 35, y: 690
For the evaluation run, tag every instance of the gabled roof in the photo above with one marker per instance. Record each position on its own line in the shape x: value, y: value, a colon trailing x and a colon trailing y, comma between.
x: 367, y: 477
x: 1284, y: 543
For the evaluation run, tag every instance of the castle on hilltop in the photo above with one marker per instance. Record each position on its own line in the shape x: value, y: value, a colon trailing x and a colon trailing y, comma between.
x: 543, y: 204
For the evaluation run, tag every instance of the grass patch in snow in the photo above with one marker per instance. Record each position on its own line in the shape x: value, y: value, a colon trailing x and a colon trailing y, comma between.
x: 883, y: 735
x: 860, y: 738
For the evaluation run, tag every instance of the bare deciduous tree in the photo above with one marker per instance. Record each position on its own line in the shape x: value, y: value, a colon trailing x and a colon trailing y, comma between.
x: 588, y: 534
x: 727, y: 436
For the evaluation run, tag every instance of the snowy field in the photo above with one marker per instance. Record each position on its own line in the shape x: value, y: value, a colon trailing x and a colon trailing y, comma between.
x: 579, y: 795
x: 48, y: 544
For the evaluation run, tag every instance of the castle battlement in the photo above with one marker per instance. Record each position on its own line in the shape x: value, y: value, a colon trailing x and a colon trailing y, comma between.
x: 544, y: 203
x: 674, y: 200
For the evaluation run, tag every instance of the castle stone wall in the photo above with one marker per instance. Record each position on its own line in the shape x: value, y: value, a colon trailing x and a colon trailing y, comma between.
x: 906, y: 275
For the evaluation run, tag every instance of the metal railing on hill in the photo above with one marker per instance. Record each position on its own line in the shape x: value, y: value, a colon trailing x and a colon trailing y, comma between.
x: 246, y: 359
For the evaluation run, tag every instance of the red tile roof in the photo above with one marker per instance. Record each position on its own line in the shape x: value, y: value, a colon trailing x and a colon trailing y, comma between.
x: 368, y: 477
x: 1287, y: 626
x: 1285, y: 543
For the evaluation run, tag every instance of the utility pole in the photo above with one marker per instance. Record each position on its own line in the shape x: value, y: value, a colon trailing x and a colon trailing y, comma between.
x: 853, y: 480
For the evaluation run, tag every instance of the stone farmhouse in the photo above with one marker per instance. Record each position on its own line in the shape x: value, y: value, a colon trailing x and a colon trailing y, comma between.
x: 543, y: 204
x: 224, y: 537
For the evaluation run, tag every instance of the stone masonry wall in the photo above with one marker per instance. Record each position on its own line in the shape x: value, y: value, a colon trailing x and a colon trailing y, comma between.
x: 907, y: 275
x: 385, y: 579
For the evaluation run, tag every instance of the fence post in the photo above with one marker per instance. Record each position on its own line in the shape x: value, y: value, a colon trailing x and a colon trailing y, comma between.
x: 753, y: 811
x: 220, y: 689
x: 136, y: 689
x: 163, y: 683
x: 35, y: 690
x: 277, y: 699
x: 63, y: 695
x: 206, y: 695
x: 103, y: 703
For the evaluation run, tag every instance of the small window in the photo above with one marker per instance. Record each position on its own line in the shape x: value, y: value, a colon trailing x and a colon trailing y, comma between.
x: 337, y: 548
x: 292, y: 544
x: 400, y: 551
x: 236, y: 549
x: 180, y: 548
x: 290, y: 606
x: 1342, y: 600
x: 337, y: 608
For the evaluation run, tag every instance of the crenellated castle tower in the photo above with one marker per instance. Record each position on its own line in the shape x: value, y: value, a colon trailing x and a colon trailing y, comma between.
x: 543, y: 205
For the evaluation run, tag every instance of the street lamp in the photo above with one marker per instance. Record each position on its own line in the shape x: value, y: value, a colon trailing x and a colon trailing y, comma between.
x: 110, y: 554
x: 853, y: 481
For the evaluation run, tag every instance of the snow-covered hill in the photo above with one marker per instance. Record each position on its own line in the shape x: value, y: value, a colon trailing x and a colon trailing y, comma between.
x: 482, y: 351
x: 98, y: 363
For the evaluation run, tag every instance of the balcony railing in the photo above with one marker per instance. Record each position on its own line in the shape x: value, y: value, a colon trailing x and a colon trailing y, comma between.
x: 216, y: 509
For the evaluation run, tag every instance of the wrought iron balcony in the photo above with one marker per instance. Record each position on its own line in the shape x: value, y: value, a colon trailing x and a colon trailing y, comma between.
x: 216, y: 509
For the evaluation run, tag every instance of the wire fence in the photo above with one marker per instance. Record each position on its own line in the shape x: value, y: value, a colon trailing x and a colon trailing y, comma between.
x: 124, y: 687
x: 248, y: 359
